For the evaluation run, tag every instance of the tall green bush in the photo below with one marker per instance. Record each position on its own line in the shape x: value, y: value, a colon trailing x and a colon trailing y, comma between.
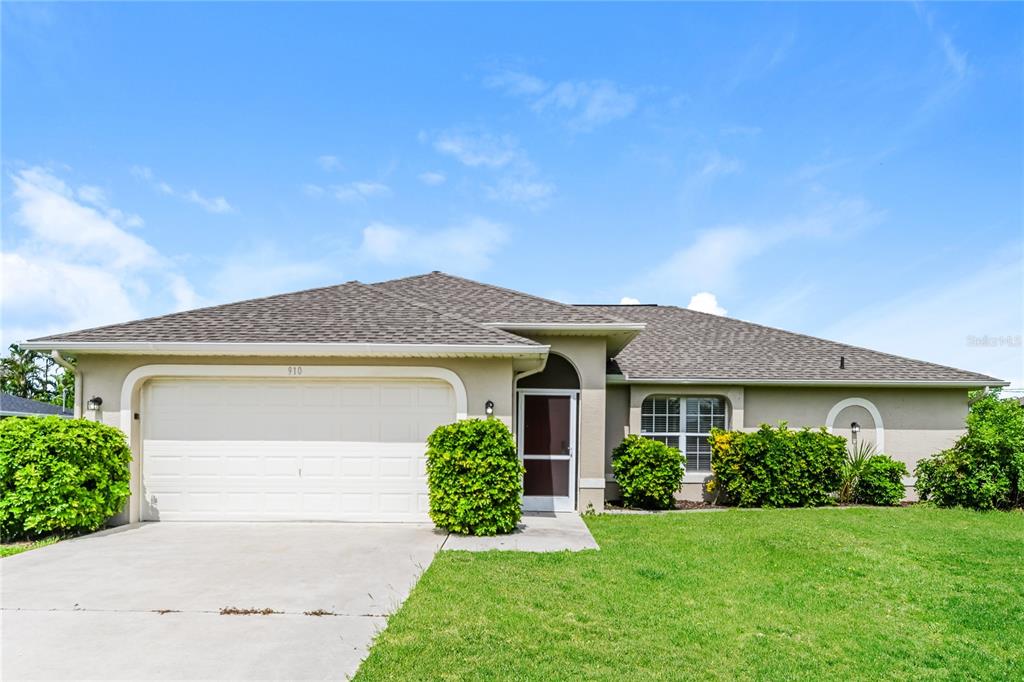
x: 475, y: 477
x: 60, y: 475
x: 648, y: 472
x: 985, y: 468
x: 776, y: 467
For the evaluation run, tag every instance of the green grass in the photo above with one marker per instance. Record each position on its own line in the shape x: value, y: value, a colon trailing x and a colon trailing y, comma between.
x: 19, y: 547
x: 860, y: 593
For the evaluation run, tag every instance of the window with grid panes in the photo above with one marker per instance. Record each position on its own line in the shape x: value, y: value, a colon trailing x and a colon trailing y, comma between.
x: 684, y: 423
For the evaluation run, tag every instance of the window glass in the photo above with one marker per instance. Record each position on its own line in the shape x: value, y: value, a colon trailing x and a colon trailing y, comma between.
x: 686, y: 423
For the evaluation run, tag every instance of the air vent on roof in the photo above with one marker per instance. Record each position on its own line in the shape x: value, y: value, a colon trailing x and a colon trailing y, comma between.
x: 842, y: 362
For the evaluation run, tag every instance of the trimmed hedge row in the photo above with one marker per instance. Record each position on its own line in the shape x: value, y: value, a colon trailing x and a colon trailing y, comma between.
x: 60, y: 475
x: 776, y: 467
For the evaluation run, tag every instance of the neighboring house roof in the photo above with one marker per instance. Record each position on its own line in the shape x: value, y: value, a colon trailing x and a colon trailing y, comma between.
x: 350, y: 313
x: 686, y: 345
x: 14, y: 406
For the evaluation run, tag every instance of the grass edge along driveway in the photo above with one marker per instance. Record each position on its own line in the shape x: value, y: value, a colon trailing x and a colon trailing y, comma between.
x: 857, y: 593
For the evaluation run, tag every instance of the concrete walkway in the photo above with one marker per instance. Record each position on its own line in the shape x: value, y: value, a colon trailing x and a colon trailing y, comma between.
x: 537, y: 532
x: 145, y: 601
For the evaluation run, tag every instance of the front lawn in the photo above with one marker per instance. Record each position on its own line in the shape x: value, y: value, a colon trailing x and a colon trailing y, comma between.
x: 13, y: 548
x: 860, y: 593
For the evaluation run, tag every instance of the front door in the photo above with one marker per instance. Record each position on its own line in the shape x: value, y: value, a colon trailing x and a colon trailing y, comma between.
x: 547, y: 446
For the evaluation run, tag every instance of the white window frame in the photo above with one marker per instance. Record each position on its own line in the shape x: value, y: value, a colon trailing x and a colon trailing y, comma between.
x: 682, y: 434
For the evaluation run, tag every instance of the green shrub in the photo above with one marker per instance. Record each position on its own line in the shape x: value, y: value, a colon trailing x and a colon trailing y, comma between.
x: 475, y: 477
x: 776, y: 467
x: 648, y: 472
x: 985, y: 468
x: 880, y: 481
x: 60, y: 475
x: 856, y: 459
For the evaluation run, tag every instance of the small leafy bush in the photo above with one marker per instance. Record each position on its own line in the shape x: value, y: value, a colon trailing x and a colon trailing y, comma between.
x: 60, y: 475
x: 648, y: 472
x: 880, y: 481
x: 985, y: 468
x: 475, y: 477
x: 777, y: 467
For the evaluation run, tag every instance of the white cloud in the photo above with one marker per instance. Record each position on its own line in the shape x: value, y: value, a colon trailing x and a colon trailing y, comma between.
x: 706, y: 302
x: 360, y: 191
x: 433, y: 178
x: 466, y: 248
x: 973, y: 322
x: 213, y: 205
x: 479, y: 149
x: 329, y: 163
x: 715, y: 257
x: 68, y: 265
x: 591, y: 104
x: 629, y: 300
x: 586, y: 105
x: 265, y: 270
x: 520, y: 190
x: 210, y: 204
x: 311, y: 190
x: 956, y: 59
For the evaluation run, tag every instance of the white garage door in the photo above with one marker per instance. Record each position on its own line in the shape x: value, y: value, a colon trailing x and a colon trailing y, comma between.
x: 237, y: 449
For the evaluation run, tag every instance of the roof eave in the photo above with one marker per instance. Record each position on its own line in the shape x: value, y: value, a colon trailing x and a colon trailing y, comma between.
x: 290, y: 349
x: 862, y: 383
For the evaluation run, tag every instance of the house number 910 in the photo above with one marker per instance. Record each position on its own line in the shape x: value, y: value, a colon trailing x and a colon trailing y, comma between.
x: 295, y: 371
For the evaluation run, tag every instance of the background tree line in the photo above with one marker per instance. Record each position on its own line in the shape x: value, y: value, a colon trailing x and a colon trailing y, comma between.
x: 34, y: 375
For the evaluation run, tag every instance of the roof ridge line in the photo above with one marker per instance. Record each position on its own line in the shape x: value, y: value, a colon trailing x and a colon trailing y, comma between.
x: 495, y: 287
x: 443, y: 313
x: 821, y: 338
x: 200, y: 309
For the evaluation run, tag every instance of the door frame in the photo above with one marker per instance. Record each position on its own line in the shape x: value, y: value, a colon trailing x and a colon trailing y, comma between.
x: 549, y: 502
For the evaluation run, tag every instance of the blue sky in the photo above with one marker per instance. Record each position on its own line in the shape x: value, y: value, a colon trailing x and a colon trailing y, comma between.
x: 848, y: 171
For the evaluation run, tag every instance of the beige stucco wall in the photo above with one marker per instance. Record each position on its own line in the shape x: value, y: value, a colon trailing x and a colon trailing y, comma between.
x: 588, y: 354
x: 104, y: 376
x: 917, y: 422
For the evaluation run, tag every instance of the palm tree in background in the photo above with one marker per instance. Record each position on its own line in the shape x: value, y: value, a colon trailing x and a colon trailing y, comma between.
x: 30, y: 374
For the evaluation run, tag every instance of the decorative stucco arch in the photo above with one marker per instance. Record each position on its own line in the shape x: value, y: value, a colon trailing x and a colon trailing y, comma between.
x: 876, y: 416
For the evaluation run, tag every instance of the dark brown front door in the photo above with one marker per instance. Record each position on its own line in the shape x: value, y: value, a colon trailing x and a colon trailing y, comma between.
x: 548, y: 448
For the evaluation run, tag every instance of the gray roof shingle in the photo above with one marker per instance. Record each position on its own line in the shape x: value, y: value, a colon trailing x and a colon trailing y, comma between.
x: 691, y: 346
x: 348, y: 313
x: 489, y: 303
x: 16, y: 405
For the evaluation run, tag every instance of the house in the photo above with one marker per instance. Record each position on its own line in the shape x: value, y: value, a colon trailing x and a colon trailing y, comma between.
x: 15, y: 406
x: 316, y: 404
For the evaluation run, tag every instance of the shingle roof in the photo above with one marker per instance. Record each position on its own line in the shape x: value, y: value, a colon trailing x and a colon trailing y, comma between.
x: 15, y: 405
x: 346, y: 313
x: 489, y: 303
x: 688, y: 345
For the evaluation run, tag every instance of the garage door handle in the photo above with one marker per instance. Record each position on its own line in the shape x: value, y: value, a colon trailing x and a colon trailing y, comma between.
x: 300, y: 472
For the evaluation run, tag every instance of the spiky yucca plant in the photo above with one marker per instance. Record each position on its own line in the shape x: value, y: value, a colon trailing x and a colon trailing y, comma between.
x: 856, y: 458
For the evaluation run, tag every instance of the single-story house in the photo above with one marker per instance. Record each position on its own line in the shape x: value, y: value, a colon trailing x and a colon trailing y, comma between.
x: 16, y: 406
x: 316, y: 404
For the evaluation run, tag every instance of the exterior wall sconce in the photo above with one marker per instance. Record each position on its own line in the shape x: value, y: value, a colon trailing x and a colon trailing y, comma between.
x: 489, y: 408
x: 94, y: 403
x: 854, y: 430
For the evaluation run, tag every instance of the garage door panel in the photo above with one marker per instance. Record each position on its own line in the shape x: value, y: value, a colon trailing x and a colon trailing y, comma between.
x: 282, y: 450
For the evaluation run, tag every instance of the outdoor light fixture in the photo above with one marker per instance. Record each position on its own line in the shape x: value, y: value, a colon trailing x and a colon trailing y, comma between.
x: 94, y: 403
x: 489, y: 407
x: 854, y: 430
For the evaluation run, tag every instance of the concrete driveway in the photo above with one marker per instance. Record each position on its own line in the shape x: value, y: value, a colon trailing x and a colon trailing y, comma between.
x: 146, y: 601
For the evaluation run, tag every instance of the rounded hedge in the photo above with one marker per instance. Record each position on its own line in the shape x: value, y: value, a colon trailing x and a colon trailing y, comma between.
x: 880, y: 481
x: 648, y: 472
x: 475, y: 477
x: 60, y: 475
